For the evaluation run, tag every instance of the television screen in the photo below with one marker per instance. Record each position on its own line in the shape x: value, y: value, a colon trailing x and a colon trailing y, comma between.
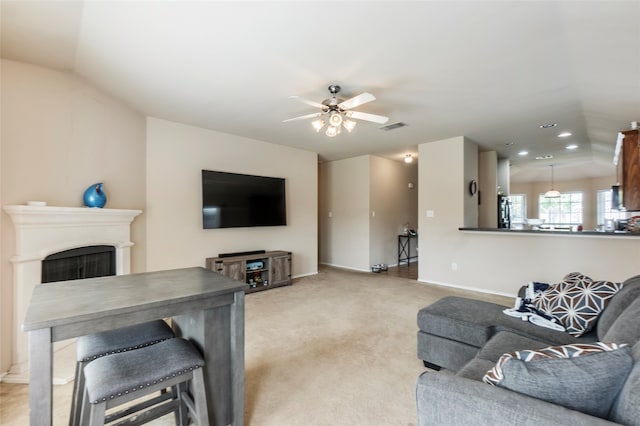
x: 231, y: 200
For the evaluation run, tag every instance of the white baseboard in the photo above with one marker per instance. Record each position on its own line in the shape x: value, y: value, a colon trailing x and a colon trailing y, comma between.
x: 304, y: 275
x: 477, y: 290
x: 345, y: 267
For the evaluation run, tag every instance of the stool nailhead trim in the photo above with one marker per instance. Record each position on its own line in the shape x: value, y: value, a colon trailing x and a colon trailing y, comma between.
x: 94, y: 357
x: 162, y: 379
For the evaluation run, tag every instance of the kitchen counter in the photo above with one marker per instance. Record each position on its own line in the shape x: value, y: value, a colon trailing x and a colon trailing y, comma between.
x: 553, y: 232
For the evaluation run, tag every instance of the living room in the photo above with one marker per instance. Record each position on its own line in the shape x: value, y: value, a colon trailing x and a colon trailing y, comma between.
x: 62, y: 131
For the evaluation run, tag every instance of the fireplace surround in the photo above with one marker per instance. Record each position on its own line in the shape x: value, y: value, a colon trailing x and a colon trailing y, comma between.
x: 44, y: 230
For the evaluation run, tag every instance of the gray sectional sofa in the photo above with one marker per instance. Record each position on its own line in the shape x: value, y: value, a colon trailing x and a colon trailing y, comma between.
x: 464, y: 338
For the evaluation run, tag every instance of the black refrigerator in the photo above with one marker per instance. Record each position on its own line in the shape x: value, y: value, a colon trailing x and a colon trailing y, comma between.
x: 504, y: 212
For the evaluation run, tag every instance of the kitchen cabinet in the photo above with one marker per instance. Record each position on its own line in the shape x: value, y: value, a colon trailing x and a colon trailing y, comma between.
x: 631, y: 170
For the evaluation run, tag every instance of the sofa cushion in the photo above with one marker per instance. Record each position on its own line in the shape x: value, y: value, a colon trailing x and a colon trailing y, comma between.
x: 474, y: 322
x: 577, y: 301
x: 626, y: 407
x: 630, y: 291
x: 506, y: 341
x: 583, y: 377
x: 475, y: 369
x: 626, y: 329
x: 446, y: 353
x: 461, y: 319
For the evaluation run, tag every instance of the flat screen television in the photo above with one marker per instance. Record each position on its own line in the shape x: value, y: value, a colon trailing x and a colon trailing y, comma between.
x: 231, y: 200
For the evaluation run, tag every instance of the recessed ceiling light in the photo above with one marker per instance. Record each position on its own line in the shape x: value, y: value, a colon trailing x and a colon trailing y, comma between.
x: 564, y: 135
x: 544, y: 157
x: 572, y: 146
x: 523, y: 153
x: 546, y: 126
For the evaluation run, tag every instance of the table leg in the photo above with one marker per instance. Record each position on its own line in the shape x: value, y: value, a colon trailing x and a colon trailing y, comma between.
x: 219, y: 335
x: 40, y: 377
x: 237, y: 358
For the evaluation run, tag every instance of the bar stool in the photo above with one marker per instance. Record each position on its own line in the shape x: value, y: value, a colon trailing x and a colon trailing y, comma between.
x: 120, y: 378
x: 97, y: 345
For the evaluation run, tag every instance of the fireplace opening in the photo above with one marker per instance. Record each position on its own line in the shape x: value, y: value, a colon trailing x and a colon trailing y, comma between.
x: 79, y: 263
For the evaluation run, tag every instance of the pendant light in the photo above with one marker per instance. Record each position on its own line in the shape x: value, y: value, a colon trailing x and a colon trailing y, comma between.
x: 552, y: 193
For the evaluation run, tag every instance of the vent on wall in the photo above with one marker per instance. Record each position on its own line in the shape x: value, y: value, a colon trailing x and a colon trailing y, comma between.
x: 392, y: 126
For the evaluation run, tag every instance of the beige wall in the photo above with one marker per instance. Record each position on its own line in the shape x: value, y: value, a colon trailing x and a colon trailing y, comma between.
x: 364, y: 203
x: 444, y: 204
x: 504, y: 172
x: 59, y: 135
x: 394, y: 204
x: 344, y: 213
x: 502, y: 262
x: 177, y: 153
x: 488, y: 184
x: 589, y: 187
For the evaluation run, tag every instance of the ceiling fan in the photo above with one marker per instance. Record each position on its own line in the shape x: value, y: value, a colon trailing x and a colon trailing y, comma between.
x: 339, y: 112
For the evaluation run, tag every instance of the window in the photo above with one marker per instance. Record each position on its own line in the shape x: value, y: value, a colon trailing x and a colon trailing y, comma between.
x: 564, y: 210
x: 518, y: 208
x: 604, y: 207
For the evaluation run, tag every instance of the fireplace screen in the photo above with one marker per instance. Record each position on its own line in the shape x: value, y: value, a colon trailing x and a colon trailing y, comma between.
x: 78, y: 263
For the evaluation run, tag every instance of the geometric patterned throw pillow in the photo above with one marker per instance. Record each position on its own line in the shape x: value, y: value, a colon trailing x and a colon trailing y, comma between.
x: 584, y: 377
x: 495, y: 375
x: 577, y: 301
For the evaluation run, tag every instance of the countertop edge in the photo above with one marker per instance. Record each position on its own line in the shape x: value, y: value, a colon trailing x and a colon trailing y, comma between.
x: 502, y: 231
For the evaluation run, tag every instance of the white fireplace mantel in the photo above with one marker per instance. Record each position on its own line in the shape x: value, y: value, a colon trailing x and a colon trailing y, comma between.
x: 44, y: 230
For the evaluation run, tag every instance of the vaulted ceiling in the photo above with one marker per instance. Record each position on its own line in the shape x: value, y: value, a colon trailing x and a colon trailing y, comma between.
x: 492, y: 71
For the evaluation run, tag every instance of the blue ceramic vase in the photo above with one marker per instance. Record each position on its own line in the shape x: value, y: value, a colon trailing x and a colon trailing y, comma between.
x: 94, y: 196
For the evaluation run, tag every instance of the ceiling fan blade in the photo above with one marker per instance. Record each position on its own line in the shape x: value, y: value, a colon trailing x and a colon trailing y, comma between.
x: 368, y: 117
x: 308, y: 102
x: 303, y: 117
x: 362, y: 98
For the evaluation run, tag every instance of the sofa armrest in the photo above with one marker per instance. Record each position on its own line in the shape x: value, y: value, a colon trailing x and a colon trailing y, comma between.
x: 446, y: 399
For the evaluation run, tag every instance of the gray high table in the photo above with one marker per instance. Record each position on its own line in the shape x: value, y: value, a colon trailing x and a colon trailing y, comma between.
x: 207, y: 308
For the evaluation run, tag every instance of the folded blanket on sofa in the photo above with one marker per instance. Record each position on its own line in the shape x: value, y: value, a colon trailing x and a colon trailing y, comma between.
x: 525, y: 309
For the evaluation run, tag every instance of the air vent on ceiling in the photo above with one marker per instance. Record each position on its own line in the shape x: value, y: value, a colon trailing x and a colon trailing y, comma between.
x: 392, y: 126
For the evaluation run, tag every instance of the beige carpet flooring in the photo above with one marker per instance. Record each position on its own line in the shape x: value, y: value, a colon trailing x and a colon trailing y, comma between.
x: 336, y: 348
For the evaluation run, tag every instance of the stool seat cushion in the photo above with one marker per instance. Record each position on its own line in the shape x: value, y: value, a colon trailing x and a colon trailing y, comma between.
x: 115, y: 375
x: 123, y: 339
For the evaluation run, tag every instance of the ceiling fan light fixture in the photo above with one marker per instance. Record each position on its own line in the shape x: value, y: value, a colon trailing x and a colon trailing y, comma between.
x: 335, y: 119
x: 338, y: 113
x: 332, y: 131
x: 349, y: 124
x: 318, y: 124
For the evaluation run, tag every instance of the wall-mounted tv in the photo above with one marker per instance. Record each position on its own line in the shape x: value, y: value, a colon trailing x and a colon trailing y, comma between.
x: 231, y: 200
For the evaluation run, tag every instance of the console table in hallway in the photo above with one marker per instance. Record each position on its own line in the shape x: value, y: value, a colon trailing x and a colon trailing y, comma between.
x: 404, y: 248
x: 207, y: 308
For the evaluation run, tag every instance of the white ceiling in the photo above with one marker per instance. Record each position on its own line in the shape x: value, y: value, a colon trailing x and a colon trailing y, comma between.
x: 491, y: 71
